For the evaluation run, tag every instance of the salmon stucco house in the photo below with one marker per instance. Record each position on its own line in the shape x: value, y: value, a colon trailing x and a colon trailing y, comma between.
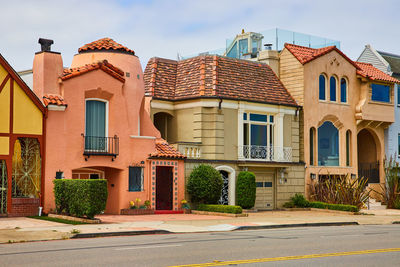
x: 97, y: 127
x: 22, y: 145
x: 234, y: 115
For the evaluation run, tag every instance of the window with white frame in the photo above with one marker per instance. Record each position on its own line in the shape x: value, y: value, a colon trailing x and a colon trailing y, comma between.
x: 258, y: 134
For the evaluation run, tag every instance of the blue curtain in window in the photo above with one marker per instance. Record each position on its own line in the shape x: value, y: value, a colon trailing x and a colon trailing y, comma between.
x: 258, y: 135
x: 332, y: 88
x: 380, y: 93
x: 328, y: 145
x: 95, y: 125
x: 398, y: 94
x: 243, y: 47
x: 135, y: 179
x: 343, y: 90
x: 322, y: 87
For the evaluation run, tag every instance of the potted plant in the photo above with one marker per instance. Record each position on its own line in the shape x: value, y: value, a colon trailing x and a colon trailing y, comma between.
x: 185, y: 206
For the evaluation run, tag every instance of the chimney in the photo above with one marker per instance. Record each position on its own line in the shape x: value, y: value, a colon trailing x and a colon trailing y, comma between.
x: 47, y: 68
x: 270, y: 57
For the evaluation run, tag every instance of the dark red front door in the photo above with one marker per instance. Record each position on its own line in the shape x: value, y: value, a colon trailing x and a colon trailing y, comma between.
x: 164, y: 188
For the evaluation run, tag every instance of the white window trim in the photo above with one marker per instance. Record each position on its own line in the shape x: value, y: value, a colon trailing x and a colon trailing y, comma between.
x: 267, y: 123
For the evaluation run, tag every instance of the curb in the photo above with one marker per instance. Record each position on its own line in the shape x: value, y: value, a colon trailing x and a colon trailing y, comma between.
x: 258, y: 227
x: 126, y: 233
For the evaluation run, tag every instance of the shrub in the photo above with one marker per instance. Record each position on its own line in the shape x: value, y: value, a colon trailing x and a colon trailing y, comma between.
x: 80, y: 197
x: 300, y: 201
x: 220, y: 208
x: 341, y: 190
x: 391, y: 190
x: 246, y: 190
x: 205, y: 184
x: 342, y: 207
x: 289, y: 205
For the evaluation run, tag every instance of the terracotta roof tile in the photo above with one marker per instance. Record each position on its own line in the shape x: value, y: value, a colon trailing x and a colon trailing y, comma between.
x: 165, y: 150
x: 369, y: 71
x: 306, y: 54
x: 103, y: 65
x: 54, y: 100
x: 107, y: 44
x: 214, y: 76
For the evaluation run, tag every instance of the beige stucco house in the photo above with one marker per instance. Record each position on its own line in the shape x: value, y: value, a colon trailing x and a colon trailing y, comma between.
x: 233, y: 114
x: 347, y: 106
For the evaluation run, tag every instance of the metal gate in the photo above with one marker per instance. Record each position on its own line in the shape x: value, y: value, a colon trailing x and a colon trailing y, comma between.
x: 3, y: 187
x: 369, y: 171
x: 224, y: 200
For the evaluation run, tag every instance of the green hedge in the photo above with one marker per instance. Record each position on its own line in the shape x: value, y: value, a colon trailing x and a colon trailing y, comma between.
x: 246, y: 190
x: 80, y: 197
x: 205, y: 184
x: 220, y: 208
x: 342, y: 207
x: 299, y: 201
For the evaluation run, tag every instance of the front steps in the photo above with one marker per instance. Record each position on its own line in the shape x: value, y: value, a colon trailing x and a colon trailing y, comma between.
x: 375, y: 205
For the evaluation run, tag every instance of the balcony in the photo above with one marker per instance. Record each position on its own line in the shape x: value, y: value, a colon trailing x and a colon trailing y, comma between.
x: 189, y: 150
x: 101, y: 146
x: 265, y: 153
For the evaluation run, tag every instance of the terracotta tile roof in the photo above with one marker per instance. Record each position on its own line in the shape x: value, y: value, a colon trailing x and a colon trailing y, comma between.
x: 54, y: 100
x: 103, y: 65
x: 306, y: 54
x: 165, y: 150
x: 369, y: 71
x: 107, y: 44
x: 214, y: 76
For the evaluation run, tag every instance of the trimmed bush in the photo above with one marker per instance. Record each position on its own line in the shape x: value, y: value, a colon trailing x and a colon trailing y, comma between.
x: 80, y: 197
x: 205, y: 184
x: 342, y: 207
x: 300, y: 201
x: 246, y: 190
x: 220, y: 208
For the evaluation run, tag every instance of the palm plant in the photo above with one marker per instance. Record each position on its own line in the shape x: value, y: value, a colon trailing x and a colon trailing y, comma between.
x: 341, y: 190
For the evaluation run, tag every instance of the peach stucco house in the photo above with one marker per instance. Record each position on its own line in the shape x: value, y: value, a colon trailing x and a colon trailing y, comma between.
x: 97, y: 127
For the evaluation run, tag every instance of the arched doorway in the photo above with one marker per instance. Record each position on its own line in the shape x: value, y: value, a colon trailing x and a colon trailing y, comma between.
x: 163, y: 123
x: 224, y: 199
x: 229, y: 184
x: 367, y: 151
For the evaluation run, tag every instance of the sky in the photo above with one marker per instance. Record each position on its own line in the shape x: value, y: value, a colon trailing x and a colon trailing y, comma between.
x: 164, y: 28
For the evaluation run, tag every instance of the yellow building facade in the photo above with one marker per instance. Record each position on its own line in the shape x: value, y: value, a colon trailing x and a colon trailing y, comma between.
x: 22, y: 122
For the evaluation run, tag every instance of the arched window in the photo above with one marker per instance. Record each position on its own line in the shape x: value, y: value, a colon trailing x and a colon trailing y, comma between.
x: 348, y: 148
x: 332, y: 88
x: 322, y: 87
x: 328, y: 145
x: 343, y: 90
x: 312, y: 145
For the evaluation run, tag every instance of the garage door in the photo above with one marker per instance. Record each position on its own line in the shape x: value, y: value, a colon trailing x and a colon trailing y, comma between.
x: 264, y: 190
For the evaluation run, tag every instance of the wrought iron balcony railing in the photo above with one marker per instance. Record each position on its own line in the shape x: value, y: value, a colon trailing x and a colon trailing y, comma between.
x: 265, y: 153
x: 101, y: 146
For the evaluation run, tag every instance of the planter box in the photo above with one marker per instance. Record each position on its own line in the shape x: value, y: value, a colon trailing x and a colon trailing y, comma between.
x: 136, y: 211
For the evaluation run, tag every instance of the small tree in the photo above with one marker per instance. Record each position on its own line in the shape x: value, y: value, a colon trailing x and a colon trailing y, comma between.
x: 205, y: 184
x: 246, y: 190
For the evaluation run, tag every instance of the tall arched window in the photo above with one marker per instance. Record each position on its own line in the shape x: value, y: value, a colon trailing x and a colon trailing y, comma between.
x: 312, y: 146
x: 348, y: 148
x: 343, y: 90
x: 322, y: 87
x: 328, y: 145
x: 332, y: 88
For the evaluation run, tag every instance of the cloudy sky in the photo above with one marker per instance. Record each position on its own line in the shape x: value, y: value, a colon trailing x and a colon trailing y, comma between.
x: 164, y: 28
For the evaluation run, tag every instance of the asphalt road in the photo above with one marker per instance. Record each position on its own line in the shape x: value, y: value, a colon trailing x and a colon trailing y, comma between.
x: 372, y: 245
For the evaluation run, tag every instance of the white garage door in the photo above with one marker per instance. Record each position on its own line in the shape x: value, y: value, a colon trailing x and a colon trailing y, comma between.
x: 264, y: 190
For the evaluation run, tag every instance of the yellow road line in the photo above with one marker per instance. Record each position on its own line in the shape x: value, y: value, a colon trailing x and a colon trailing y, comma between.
x: 223, y: 263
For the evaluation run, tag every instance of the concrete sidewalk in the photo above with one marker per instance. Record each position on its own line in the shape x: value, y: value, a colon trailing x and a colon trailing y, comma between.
x: 26, y: 229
